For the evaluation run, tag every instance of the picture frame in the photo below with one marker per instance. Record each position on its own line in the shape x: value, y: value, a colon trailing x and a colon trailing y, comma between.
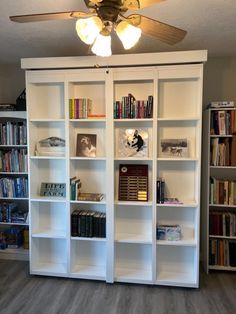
x: 86, y: 145
x: 174, y: 148
x: 132, y: 142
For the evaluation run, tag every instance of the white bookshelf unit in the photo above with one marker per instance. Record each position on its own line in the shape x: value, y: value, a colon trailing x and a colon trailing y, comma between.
x: 13, y: 155
x: 218, y: 191
x: 130, y: 252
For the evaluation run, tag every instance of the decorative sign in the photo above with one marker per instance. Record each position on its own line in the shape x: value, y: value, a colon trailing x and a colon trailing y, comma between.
x: 53, y: 189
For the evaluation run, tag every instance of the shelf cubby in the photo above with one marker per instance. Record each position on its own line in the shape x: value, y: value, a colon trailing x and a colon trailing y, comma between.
x: 178, y: 98
x: 42, y: 130
x: 133, y: 262
x: 180, y: 179
x: 46, y: 100
x: 88, y: 259
x: 88, y: 127
x: 46, y: 170
x: 48, y: 257
x: 185, y: 217
x: 180, y: 130
x: 176, y: 266
x: 133, y: 224
x: 48, y: 220
x: 80, y: 88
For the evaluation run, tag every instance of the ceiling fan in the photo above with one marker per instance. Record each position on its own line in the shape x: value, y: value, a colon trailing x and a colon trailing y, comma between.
x: 95, y: 26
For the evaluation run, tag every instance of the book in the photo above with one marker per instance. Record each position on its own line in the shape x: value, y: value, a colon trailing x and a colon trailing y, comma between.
x: 132, y: 142
x: 221, y: 104
x: 95, y: 197
x: 86, y: 145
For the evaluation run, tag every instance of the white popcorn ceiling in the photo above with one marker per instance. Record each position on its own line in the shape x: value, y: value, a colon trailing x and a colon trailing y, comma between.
x: 211, y: 25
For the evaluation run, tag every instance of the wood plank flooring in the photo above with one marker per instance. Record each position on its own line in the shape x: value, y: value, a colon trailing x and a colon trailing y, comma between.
x: 21, y: 293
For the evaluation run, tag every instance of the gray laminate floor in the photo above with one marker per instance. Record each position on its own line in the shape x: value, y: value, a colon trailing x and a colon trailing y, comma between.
x: 25, y: 294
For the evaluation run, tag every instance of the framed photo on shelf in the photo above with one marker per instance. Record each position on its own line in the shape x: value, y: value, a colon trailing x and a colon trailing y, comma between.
x: 174, y: 148
x: 86, y: 145
x: 132, y: 142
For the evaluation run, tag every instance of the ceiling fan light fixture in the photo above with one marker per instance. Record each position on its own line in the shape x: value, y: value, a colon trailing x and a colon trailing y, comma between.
x: 88, y: 29
x: 102, y: 46
x: 128, y: 34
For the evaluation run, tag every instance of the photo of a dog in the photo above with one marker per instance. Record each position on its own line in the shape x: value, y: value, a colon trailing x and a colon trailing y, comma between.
x: 86, y: 145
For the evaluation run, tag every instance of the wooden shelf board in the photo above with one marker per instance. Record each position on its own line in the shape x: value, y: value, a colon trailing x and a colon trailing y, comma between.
x: 133, y: 275
x: 132, y: 203
x: 218, y: 267
x: 47, y: 199
x: 177, y: 159
x: 88, y: 272
x: 133, y: 238
x: 47, y: 120
x: 55, y: 269
x: 176, y: 279
x: 178, y: 119
x: 92, y: 239
x: 191, y: 243
x: 53, y: 234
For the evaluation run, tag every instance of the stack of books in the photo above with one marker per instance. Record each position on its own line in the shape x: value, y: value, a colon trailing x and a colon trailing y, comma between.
x: 88, y: 223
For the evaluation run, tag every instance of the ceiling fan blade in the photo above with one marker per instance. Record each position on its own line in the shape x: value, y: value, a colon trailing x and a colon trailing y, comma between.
x: 139, y: 4
x: 49, y: 16
x: 164, y: 32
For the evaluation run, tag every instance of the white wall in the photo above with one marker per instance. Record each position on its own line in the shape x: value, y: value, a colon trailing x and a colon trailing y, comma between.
x: 12, y: 83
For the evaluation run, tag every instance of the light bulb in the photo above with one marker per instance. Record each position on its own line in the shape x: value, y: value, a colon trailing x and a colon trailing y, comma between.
x: 88, y: 29
x: 128, y: 34
x: 102, y: 46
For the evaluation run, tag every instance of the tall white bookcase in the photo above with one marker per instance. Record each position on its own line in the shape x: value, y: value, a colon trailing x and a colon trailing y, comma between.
x: 130, y: 251
x: 215, y: 203
x: 21, y: 202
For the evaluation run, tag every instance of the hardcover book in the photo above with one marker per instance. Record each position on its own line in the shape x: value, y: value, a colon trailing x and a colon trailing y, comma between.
x: 132, y: 142
x: 86, y: 145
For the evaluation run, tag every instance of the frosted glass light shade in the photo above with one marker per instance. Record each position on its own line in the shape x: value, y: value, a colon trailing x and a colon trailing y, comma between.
x: 88, y: 29
x: 128, y: 34
x: 102, y: 46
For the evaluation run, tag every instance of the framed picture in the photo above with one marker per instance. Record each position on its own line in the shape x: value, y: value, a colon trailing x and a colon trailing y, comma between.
x: 174, y: 148
x: 132, y: 142
x: 86, y: 145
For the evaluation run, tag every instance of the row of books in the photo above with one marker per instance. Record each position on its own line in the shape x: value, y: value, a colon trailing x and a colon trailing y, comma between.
x: 223, y: 151
x: 13, y: 133
x: 88, y: 223
x: 221, y: 104
x: 222, y: 224
x: 222, y: 192
x: 223, y: 122
x: 9, y: 212
x: 14, y: 237
x: 80, y: 108
x: 14, y: 187
x: 222, y: 252
x: 13, y: 160
x: 75, y: 186
x: 130, y: 108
